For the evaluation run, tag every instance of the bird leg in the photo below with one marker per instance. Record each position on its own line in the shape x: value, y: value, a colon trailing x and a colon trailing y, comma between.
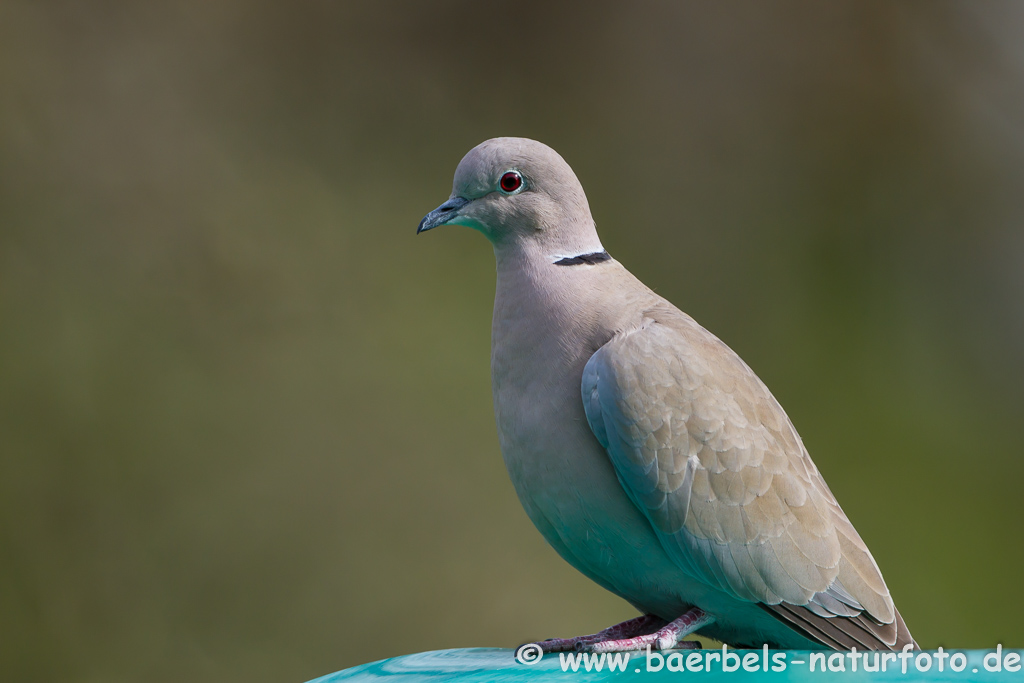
x: 627, y: 629
x: 665, y: 638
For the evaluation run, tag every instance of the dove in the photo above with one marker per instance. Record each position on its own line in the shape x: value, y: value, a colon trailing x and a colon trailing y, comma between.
x: 644, y: 450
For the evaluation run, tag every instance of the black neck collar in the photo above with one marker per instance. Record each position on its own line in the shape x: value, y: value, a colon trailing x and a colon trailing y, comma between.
x: 584, y: 259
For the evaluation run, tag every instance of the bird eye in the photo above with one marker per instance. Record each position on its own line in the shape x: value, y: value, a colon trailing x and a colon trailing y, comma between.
x: 510, y: 182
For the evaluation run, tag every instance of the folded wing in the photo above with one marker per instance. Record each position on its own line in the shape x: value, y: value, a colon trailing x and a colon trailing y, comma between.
x: 708, y: 455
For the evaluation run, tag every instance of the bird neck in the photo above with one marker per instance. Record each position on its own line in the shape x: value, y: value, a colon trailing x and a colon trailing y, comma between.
x: 536, y: 277
x: 550, y: 310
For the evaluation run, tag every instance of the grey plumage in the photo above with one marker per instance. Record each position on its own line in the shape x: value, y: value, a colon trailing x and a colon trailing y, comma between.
x: 647, y: 453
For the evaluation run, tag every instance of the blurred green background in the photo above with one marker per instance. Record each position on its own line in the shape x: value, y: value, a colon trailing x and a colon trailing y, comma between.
x: 245, y: 415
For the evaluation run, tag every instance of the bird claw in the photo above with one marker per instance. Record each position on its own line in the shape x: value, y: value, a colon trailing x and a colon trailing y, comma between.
x: 636, y: 634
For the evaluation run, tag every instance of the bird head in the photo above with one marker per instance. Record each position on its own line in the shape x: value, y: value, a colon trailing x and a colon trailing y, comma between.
x: 516, y: 191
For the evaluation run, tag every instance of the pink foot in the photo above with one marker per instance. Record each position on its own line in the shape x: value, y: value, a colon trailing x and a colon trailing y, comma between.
x: 665, y: 638
x: 626, y: 629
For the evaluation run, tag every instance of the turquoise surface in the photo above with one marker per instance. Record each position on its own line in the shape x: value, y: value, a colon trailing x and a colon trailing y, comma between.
x: 492, y: 664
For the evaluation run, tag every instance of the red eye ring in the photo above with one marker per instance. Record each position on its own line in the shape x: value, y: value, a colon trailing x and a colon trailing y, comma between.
x: 510, y: 181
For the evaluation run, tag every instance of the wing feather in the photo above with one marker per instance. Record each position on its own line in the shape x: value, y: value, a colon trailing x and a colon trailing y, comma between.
x: 706, y: 453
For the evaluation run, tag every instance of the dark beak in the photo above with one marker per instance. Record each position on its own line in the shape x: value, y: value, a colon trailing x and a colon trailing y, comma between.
x: 442, y: 214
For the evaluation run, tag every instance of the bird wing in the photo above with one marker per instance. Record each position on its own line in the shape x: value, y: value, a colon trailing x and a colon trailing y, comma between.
x: 709, y: 456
